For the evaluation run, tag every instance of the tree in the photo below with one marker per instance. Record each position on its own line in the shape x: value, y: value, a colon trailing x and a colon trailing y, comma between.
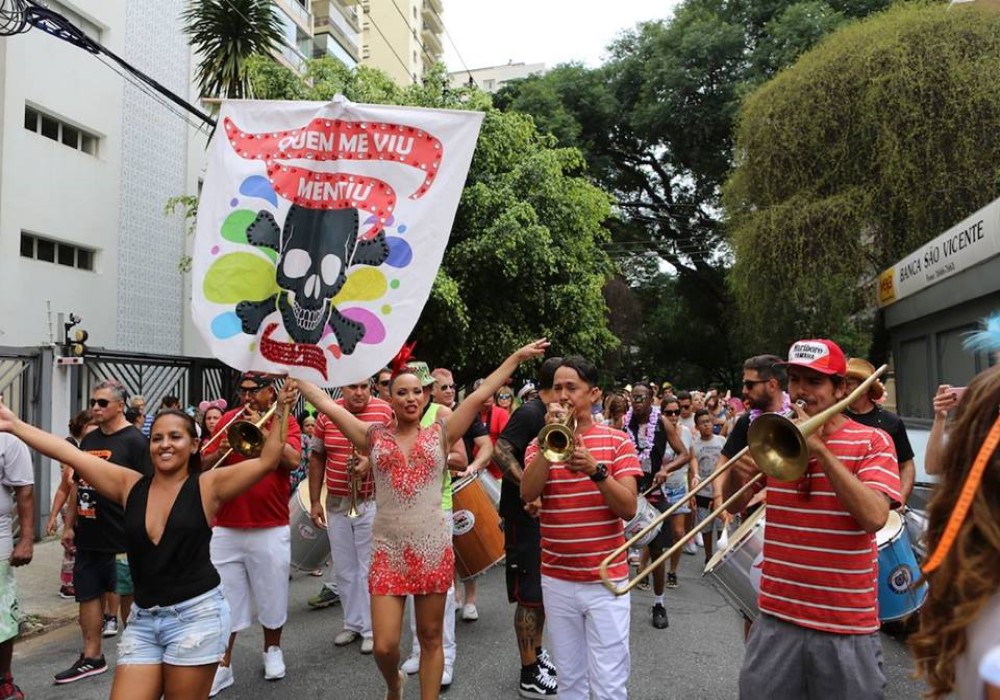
x: 524, y: 258
x: 870, y: 145
x: 225, y: 34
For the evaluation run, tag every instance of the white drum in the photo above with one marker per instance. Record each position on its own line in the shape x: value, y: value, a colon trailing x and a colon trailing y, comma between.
x: 310, y: 544
x: 645, y: 513
x: 736, y: 570
x: 492, y: 486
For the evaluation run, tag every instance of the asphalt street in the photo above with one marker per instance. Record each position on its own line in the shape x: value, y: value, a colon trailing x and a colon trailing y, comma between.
x: 697, y: 658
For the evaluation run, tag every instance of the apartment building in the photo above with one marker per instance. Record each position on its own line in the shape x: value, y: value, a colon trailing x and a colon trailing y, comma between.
x: 404, y: 38
x: 492, y: 78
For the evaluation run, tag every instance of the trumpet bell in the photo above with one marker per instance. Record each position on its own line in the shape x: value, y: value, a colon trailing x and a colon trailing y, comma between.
x: 246, y: 438
x: 556, y: 442
x: 778, y: 447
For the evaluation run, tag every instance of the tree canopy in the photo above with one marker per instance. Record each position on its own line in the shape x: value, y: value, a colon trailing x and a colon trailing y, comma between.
x: 873, y: 143
x: 524, y: 258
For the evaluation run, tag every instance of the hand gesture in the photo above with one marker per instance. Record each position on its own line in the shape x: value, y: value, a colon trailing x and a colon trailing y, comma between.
x: 289, y: 394
x: 555, y: 413
x: 360, y: 467
x: 945, y: 399
x: 317, y: 513
x: 536, y: 348
x: 581, y: 461
x: 660, y: 477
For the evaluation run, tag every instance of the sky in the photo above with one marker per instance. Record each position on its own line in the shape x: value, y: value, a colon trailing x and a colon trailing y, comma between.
x: 495, y: 32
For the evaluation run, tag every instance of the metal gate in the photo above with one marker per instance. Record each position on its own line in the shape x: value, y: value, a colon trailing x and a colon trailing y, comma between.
x: 25, y: 384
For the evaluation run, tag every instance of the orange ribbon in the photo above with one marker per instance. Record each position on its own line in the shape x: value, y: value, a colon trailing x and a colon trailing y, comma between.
x: 964, y: 501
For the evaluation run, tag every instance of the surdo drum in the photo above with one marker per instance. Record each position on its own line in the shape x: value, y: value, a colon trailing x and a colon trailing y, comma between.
x: 736, y: 570
x: 476, y: 531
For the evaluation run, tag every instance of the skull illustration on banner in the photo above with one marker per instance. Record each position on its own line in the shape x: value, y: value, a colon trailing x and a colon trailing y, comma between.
x: 306, y: 260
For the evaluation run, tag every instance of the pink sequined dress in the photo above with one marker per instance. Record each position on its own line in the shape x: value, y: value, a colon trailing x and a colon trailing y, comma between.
x: 412, y: 551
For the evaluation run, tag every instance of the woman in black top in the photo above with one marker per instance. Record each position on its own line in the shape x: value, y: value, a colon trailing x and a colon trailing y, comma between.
x: 167, y: 515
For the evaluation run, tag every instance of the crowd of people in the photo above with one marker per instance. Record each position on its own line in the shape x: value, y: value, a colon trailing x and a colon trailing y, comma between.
x: 176, y: 532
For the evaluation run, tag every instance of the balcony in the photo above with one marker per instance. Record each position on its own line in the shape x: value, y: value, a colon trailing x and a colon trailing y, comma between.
x: 328, y: 33
x: 435, y: 5
x: 432, y: 20
x: 298, y: 12
x: 432, y: 43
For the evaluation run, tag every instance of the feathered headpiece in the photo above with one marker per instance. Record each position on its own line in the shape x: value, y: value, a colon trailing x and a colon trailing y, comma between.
x: 987, y: 339
x: 400, y: 362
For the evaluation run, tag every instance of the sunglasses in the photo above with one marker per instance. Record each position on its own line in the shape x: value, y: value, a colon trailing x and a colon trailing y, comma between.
x: 446, y: 387
x: 505, y: 396
x: 672, y: 412
x: 639, y: 399
x: 685, y: 406
x: 103, y: 403
x: 383, y: 382
x: 751, y: 383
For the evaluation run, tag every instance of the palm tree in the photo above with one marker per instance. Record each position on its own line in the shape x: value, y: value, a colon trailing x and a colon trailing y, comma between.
x: 225, y: 33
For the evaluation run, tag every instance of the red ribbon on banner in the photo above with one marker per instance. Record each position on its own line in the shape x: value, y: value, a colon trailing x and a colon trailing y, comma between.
x: 296, y: 354
x: 337, y: 139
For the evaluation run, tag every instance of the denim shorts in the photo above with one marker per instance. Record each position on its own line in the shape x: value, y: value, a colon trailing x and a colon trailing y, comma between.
x: 676, y: 494
x: 192, y: 633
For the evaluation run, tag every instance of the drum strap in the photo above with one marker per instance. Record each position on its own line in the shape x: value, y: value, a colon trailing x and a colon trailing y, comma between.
x: 964, y: 501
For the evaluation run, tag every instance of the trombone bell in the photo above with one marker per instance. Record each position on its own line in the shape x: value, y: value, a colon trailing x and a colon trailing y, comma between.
x: 247, y: 438
x: 778, y: 447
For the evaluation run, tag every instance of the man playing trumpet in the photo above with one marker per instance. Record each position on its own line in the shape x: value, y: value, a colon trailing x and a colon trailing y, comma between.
x: 584, y: 499
x: 817, y: 633
x: 350, y: 537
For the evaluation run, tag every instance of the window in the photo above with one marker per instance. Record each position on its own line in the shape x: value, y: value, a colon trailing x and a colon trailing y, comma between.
x: 92, y: 30
x: 52, y: 128
x: 46, y: 250
x: 489, y: 84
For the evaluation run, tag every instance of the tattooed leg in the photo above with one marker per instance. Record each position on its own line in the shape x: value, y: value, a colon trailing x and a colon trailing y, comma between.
x: 528, y: 626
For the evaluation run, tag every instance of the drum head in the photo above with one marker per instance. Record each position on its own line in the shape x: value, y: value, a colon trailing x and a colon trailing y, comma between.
x: 891, y: 530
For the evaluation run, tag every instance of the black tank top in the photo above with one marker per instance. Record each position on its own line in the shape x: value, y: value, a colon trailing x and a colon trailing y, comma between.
x: 179, y: 567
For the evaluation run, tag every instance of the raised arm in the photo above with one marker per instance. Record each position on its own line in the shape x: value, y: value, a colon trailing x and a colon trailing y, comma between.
x: 353, y: 429
x: 228, y: 483
x: 110, y: 480
x: 459, y: 421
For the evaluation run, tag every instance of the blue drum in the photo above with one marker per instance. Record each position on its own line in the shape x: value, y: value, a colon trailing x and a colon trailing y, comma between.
x: 897, y: 572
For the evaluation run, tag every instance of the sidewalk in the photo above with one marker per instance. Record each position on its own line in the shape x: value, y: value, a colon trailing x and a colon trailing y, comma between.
x: 38, y: 591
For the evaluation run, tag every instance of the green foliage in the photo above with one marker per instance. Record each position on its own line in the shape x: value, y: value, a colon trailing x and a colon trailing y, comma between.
x: 225, y: 34
x: 524, y: 258
x: 869, y: 146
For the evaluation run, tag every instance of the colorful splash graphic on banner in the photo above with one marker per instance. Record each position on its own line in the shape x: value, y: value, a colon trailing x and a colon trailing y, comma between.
x: 321, y: 228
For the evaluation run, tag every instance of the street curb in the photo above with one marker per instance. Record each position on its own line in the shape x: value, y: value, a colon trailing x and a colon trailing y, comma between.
x: 35, y: 626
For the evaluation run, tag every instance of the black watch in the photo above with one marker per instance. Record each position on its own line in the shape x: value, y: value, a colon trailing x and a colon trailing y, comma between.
x: 600, y: 473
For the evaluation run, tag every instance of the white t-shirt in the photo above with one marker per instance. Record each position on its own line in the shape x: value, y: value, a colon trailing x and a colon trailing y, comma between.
x: 678, y: 479
x: 15, y: 470
x: 707, y: 453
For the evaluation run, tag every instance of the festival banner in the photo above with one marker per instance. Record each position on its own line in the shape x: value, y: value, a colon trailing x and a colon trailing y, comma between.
x: 321, y: 228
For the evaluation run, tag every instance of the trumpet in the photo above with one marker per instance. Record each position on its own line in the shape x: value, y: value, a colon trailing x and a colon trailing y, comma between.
x: 352, y: 462
x: 777, y: 445
x: 246, y: 438
x: 556, y: 440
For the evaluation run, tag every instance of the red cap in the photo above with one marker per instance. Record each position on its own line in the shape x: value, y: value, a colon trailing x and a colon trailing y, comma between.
x: 821, y: 355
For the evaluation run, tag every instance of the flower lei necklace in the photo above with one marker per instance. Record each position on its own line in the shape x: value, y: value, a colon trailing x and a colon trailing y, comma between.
x: 654, y: 415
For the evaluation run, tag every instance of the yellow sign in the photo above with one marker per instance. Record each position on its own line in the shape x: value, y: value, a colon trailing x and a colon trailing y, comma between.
x: 887, y: 287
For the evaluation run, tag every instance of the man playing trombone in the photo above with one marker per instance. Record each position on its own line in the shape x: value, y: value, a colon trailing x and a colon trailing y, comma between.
x: 817, y: 632
x: 587, y: 484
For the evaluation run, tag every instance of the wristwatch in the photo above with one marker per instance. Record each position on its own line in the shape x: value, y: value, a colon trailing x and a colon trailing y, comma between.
x: 600, y: 473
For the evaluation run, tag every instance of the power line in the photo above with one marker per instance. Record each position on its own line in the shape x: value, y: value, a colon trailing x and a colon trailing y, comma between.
x: 458, y: 53
x: 406, y: 22
x: 387, y: 42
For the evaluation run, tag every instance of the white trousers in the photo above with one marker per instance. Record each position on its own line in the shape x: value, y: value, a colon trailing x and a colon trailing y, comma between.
x: 351, y: 551
x: 447, y: 634
x: 253, y: 565
x: 588, y: 630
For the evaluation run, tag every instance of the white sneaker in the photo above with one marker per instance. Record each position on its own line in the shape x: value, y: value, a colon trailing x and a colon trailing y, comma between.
x: 345, y: 637
x: 411, y: 665
x: 223, y: 679
x: 274, y: 664
x: 367, y: 645
x: 699, y: 540
x: 470, y: 613
x: 690, y: 547
x: 447, y: 675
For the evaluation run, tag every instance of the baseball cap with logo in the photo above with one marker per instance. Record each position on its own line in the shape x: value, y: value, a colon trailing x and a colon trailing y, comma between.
x: 821, y: 355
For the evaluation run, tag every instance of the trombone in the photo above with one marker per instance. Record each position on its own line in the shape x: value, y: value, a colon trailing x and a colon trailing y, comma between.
x: 777, y: 445
x: 222, y: 430
x: 246, y: 438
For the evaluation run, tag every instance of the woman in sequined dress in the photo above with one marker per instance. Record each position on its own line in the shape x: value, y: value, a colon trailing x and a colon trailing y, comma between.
x: 412, y: 552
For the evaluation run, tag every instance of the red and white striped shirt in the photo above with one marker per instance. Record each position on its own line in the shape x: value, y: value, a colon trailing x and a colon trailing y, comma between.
x: 338, y: 448
x: 820, y: 566
x: 578, y: 528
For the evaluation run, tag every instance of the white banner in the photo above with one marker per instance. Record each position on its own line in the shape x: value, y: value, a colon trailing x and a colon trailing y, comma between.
x: 968, y: 243
x: 321, y: 227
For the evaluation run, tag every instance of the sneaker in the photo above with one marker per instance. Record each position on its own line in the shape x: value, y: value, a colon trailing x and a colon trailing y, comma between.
x: 345, y: 637
x: 699, y: 540
x: 367, y: 645
x: 470, y: 613
x: 67, y: 592
x: 671, y: 580
x: 643, y: 585
x: 83, y: 668
x: 536, y: 683
x: 324, y: 599
x: 447, y: 675
x: 274, y: 664
x: 660, y: 621
x: 545, y: 662
x: 411, y: 665
x: 634, y: 557
x: 223, y: 679
x: 9, y: 691
x: 690, y: 547
x: 110, y: 628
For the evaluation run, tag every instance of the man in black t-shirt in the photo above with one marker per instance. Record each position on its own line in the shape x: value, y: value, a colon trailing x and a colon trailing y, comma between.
x: 95, y: 527
x: 522, y: 537
x: 867, y: 412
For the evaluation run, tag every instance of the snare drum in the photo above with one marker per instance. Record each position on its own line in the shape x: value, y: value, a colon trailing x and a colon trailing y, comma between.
x: 645, y: 513
x: 476, y: 530
x: 310, y: 545
x: 736, y: 570
x: 897, y: 571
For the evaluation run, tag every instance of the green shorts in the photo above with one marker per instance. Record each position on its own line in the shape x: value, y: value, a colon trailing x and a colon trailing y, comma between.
x: 10, y: 611
x: 123, y: 575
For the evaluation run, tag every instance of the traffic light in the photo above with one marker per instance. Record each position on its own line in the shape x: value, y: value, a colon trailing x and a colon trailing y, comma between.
x: 78, y: 347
